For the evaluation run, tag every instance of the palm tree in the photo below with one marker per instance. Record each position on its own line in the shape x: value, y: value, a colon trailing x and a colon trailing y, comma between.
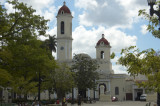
x: 51, y: 43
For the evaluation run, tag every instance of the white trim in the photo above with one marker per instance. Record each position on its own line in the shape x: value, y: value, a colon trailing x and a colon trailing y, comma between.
x: 109, y: 86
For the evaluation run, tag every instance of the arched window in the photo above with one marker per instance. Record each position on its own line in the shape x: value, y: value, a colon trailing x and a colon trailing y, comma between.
x: 102, y: 54
x: 62, y: 27
x: 116, y: 91
x: 62, y: 12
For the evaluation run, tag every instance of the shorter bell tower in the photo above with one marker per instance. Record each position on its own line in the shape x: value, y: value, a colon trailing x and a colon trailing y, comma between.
x: 103, y: 49
x: 103, y: 55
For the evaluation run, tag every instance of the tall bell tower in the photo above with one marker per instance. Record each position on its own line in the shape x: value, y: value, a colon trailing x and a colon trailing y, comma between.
x: 64, y: 34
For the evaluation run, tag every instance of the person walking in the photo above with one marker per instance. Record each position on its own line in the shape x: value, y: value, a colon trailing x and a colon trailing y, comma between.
x: 79, y: 100
x: 63, y: 101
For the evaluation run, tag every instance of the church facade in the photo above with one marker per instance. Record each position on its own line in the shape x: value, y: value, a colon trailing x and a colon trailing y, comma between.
x: 109, y: 84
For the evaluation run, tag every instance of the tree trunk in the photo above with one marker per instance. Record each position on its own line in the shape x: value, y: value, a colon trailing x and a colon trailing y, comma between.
x: 25, y: 97
x: 49, y: 94
x: 158, y: 99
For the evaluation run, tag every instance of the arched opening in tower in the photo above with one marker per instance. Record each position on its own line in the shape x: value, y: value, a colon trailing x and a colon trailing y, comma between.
x: 62, y: 27
x: 102, y: 54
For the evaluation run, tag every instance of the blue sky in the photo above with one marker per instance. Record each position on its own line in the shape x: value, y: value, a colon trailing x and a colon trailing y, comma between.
x: 117, y: 19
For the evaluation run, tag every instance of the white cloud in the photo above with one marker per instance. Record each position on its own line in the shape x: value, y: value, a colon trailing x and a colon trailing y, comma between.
x: 85, y: 40
x: 86, y: 4
x: 39, y: 4
x: 119, y: 13
x: 118, y: 69
x: 52, y: 31
x: 9, y: 8
x: 119, y: 39
x: 2, y: 1
x: 44, y: 8
x: 144, y: 29
x: 73, y: 13
x: 115, y: 59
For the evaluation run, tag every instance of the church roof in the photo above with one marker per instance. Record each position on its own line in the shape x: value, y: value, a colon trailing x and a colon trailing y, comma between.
x: 64, y: 9
x: 103, y: 40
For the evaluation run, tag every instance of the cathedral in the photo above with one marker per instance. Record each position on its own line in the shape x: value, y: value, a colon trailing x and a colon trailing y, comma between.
x: 121, y: 86
x: 118, y: 85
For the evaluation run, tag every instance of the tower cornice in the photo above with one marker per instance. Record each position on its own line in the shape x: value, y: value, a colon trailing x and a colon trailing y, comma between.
x: 68, y: 38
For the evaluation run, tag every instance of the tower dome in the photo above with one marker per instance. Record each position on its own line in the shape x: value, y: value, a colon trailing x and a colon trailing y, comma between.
x: 103, y: 41
x: 64, y: 9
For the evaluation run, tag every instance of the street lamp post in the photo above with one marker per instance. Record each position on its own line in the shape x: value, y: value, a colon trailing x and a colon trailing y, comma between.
x: 158, y: 94
x: 151, y: 3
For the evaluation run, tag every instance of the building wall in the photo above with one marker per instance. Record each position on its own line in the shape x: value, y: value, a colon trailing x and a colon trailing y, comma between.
x: 128, y: 86
x: 118, y: 81
x: 106, y: 50
x: 105, y: 67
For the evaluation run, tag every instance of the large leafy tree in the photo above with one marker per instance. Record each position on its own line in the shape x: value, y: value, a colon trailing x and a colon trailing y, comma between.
x: 86, y: 74
x: 25, y: 64
x: 153, y: 28
x: 21, y: 55
x: 144, y: 62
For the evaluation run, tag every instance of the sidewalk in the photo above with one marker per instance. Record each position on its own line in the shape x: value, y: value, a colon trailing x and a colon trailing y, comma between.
x: 126, y: 103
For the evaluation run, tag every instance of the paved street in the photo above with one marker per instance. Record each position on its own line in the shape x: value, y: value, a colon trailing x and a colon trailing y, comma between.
x: 127, y: 103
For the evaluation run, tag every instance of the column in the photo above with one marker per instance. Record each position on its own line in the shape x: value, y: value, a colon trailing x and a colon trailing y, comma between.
x: 109, y: 85
x: 55, y: 95
x: 133, y: 92
x: 88, y: 93
x: 95, y: 94
x: 74, y: 92
x: 143, y: 91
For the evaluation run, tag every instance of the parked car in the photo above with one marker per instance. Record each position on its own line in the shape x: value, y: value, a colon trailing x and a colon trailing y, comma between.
x: 143, y: 97
x: 114, y: 99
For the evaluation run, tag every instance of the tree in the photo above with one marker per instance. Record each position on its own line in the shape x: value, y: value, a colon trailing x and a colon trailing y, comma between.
x: 61, y: 80
x: 144, y: 62
x: 152, y: 27
x: 25, y: 64
x: 5, y: 78
x: 50, y: 43
x: 21, y: 54
x: 86, y: 74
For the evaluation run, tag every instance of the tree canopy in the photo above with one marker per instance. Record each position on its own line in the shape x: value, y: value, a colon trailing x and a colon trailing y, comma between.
x: 144, y: 62
x: 63, y: 80
x: 22, y: 55
x: 86, y: 74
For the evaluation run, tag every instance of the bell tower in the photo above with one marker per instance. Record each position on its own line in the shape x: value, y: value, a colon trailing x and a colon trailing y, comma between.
x: 64, y: 34
x: 103, y: 49
x: 103, y: 55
